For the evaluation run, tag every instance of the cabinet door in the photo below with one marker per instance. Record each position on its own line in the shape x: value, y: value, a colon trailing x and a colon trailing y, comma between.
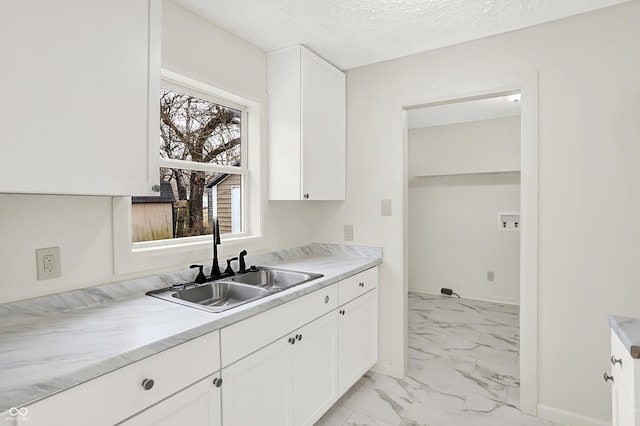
x: 623, y: 413
x: 306, y: 126
x: 8, y: 418
x: 257, y: 390
x: 323, y: 129
x: 197, y: 405
x: 285, y: 151
x: 80, y: 85
x: 315, y: 369
x: 357, y: 338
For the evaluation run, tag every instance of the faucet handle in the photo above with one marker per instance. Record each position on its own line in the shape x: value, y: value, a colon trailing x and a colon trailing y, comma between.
x: 229, y: 269
x: 201, y: 278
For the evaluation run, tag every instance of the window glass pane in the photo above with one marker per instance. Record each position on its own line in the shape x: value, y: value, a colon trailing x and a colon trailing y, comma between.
x: 197, y: 130
x: 188, y: 202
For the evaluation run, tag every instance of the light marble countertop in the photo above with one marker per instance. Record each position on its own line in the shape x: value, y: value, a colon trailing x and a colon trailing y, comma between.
x: 55, y: 342
x: 628, y: 331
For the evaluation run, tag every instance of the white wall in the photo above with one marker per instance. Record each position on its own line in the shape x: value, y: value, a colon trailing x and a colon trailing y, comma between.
x: 453, y: 228
x: 82, y: 226
x: 454, y: 238
x: 589, y: 236
x: 470, y: 147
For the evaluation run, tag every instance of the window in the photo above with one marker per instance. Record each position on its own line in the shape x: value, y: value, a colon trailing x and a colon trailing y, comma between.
x: 210, y: 164
x: 202, y: 171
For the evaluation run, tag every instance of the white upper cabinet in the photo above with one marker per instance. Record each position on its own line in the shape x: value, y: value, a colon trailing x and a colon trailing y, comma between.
x: 80, y: 85
x: 306, y: 127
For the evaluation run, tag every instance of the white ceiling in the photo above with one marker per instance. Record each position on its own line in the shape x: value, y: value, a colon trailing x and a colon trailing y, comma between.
x: 352, y: 33
x: 462, y: 112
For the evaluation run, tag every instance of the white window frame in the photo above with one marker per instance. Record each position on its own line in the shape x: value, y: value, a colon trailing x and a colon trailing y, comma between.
x: 171, y: 253
x: 234, y: 208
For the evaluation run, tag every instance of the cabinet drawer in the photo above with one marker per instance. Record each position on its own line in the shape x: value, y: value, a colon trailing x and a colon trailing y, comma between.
x: 197, y: 405
x: 626, y: 373
x: 245, y: 337
x: 352, y: 287
x: 116, y: 396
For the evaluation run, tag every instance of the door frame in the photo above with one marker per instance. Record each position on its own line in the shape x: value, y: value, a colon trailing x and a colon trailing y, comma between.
x: 527, y: 85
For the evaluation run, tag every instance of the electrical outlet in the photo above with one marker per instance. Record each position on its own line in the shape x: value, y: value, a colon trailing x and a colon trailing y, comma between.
x: 48, y: 263
x: 348, y: 232
x: 490, y: 276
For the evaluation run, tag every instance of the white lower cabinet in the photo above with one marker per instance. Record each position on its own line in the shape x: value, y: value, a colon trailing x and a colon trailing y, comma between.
x: 623, y: 413
x: 8, y: 418
x: 286, y: 366
x: 357, y: 338
x: 315, y: 369
x: 625, y: 390
x: 257, y: 390
x: 116, y: 396
x: 292, y: 381
x: 197, y: 405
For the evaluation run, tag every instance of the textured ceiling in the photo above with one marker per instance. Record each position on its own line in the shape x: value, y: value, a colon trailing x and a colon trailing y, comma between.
x: 352, y: 33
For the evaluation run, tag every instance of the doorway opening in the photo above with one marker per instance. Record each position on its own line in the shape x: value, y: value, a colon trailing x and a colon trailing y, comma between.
x: 463, y: 179
x: 489, y: 177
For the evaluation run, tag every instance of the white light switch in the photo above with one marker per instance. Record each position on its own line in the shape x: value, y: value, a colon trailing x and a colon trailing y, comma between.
x: 348, y: 232
x: 385, y: 207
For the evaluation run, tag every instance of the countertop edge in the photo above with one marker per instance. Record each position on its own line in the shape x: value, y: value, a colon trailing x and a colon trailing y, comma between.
x: 628, y: 331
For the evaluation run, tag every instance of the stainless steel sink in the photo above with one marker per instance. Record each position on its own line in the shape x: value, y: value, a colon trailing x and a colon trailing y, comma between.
x: 273, y: 278
x: 216, y: 296
x: 228, y: 293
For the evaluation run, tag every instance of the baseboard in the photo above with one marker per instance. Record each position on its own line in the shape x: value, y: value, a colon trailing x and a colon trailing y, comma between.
x: 504, y: 301
x: 567, y: 418
x: 385, y: 369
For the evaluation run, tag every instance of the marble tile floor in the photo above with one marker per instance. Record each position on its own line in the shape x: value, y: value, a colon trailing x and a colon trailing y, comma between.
x: 462, y: 370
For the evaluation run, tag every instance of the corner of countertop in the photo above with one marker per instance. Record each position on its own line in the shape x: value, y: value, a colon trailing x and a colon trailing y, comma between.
x: 628, y: 331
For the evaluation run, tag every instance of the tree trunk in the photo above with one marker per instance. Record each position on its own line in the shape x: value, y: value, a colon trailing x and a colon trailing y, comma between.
x: 182, y: 190
x: 197, y: 182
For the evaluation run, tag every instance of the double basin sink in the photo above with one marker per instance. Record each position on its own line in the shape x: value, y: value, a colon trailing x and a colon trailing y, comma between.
x: 228, y: 293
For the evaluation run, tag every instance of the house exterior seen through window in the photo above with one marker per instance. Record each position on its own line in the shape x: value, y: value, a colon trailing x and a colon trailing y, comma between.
x: 201, y: 146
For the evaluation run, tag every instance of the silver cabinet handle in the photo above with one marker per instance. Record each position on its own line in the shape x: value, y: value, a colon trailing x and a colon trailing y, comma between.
x: 608, y: 377
x: 147, y: 384
x: 615, y: 361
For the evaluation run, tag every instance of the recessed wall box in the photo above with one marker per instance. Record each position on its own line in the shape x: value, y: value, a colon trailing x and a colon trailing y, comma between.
x: 509, y: 221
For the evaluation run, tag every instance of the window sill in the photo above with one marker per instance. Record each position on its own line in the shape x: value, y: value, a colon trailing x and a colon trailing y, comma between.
x: 159, y: 245
x: 162, y: 256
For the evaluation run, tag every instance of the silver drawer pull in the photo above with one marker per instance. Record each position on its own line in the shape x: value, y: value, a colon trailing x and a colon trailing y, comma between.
x: 147, y: 384
x: 326, y: 299
x: 615, y: 361
x: 608, y: 377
